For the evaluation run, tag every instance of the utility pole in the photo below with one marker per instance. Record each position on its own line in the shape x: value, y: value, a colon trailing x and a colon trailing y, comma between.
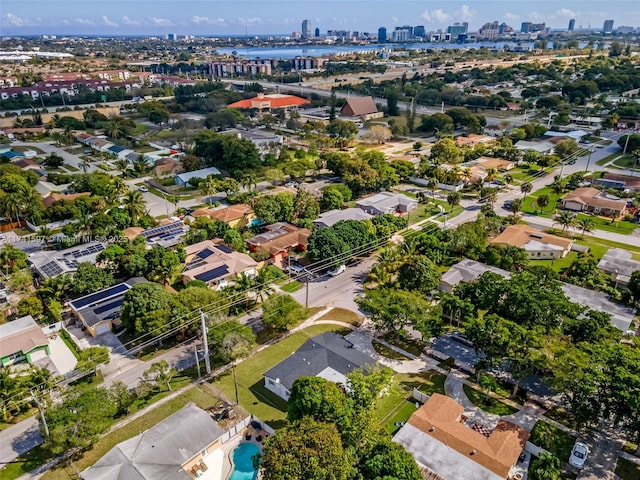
x: 306, y: 299
x: 195, y: 349
x: 44, y: 420
x: 626, y: 144
x: 205, y: 343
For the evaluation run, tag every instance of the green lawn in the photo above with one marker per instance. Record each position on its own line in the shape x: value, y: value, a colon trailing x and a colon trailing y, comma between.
x: 558, y: 265
x: 622, y: 227
x: 294, y: 286
x: 342, y: 315
x: 490, y: 405
x: 423, y: 211
x: 415, y: 347
x: 552, y: 439
x: 253, y: 395
x: 398, y: 404
x: 626, y: 161
x: 608, y: 158
x: 200, y: 395
x: 627, y: 470
x: 388, y: 352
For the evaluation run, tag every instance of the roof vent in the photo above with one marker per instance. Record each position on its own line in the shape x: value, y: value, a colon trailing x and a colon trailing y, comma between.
x: 473, y: 452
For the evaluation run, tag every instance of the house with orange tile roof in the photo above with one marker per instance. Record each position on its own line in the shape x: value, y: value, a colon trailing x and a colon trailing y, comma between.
x: 473, y: 139
x: 279, y: 239
x: 239, y: 215
x: 270, y: 102
x: 442, y: 440
x: 537, y: 244
x: 591, y: 199
x: 52, y: 197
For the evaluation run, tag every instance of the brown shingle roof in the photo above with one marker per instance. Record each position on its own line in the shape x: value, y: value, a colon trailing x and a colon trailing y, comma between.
x: 52, y: 197
x: 280, y: 237
x: 520, y: 235
x: 358, y: 106
x: 440, y: 418
x: 593, y: 197
x: 21, y: 335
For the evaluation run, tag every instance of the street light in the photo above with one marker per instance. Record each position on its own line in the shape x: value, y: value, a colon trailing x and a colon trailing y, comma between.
x: 591, y: 149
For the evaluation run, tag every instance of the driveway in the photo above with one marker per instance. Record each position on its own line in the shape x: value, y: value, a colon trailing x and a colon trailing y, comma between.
x: 463, y: 353
x: 604, y: 446
x: 19, y: 438
x: 62, y: 358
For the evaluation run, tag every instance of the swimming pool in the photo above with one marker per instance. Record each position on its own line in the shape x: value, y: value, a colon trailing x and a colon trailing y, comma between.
x: 243, y: 463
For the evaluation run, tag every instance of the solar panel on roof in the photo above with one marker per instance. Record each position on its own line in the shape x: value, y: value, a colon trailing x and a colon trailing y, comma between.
x: 213, y: 274
x: 109, y: 306
x: 224, y: 248
x: 51, y: 269
x: 204, y: 253
x: 195, y: 263
x: 95, y: 297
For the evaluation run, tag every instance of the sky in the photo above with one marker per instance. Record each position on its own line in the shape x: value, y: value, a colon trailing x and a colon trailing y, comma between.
x: 229, y: 17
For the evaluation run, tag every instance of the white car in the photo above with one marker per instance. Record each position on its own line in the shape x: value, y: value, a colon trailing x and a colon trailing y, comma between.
x: 579, y: 455
x: 337, y: 271
x: 143, y: 189
x: 291, y: 185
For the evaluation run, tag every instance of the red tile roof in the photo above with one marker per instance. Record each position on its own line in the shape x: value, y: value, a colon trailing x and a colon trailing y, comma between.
x: 270, y: 101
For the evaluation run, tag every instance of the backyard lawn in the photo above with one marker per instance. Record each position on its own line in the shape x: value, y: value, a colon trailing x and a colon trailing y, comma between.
x: 253, y: 395
x: 552, y: 439
x: 342, y: 315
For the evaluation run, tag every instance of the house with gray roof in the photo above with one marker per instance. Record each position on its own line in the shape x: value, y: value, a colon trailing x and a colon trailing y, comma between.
x: 619, y: 264
x: 329, y: 356
x: 100, y: 311
x: 50, y: 264
x: 183, y: 178
x: 469, y: 270
x: 387, y: 202
x: 184, y: 446
x: 119, y: 150
x: 331, y: 217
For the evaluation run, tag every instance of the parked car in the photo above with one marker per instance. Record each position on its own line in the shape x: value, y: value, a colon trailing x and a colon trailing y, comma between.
x: 579, y: 454
x: 337, y: 271
x: 291, y: 184
x: 143, y: 189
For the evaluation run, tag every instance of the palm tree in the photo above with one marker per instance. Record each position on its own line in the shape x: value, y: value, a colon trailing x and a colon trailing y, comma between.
x: 389, y: 258
x: 557, y: 187
x: 526, y: 188
x: 135, y: 205
x: 466, y: 175
x: 119, y: 186
x: 453, y: 199
x: 508, y: 179
x: 432, y: 184
x: 542, y: 201
x: 122, y: 165
x: 84, y: 226
x: 45, y: 233
x: 175, y: 199
x: 565, y: 220
x: 378, y: 275
x: 114, y: 129
x: 249, y: 180
x: 491, y: 174
x: 546, y: 467
x: 209, y: 187
x: 140, y: 165
x: 515, y: 207
x: 84, y: 165
x: 585, y: 224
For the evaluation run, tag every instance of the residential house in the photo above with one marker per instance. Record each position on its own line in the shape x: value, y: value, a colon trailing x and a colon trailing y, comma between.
x: 50, y: 264
x: 22, y: 339
x: 167, y: 166
x: 119, y: 151
x: 486, y: 163
x: 262, y: 139
x: 216, y: 264
x: 469, y: 270
x: 387, y: 202
x: 473, y: 139
x: 362, y: 107
x: 442, y: 440
x: 589, y: 199
x: 100, y: 144
x: 329, y: 356
x: 618, y: 181
x: 331, y: 217
x: 184, y: 446
x: 541, y: 147
x: 271, y: 102
x: 183, y: 178
x: 537, y: 244
x: 619, y: 264
x: 12, y: 155
x: 169, y: 233
x: 239, y: 215
x: 279, y: 239
x: 99, y: 312
x: 53, y: 197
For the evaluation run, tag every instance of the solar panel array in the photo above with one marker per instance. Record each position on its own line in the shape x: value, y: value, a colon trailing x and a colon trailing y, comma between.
x: 69, y: 259
x: 163, y: 231
x: 51, y: 269
x: 196, y: 262
x: 96, y: 297
x: 204, y: 253
x: 213, y: 274
x: 109, y: 306
x: 224, y: 248
x: 90, y: 250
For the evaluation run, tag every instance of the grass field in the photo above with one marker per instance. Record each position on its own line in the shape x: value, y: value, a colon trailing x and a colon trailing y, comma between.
x: 342, y: 315
x: 489, y: 404
x: 627, y: 470
x: 627, y: 161
x: 253, y: 395
x: 608, y: 158
x: 294, y: 286
x: 552, y: 439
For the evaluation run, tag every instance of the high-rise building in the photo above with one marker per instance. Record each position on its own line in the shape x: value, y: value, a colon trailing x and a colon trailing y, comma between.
x: 572, y: 24
x: 172, y: 36
x: 419, y: 31
x: 608, y: 26
x: 529, y: 27
x: 317, y: 32
x: 306, y: 29
x: 457, y: 29
x: 401, y: 35
x: 524, y: 28
x: 382, y: 35
x: 408, y: 28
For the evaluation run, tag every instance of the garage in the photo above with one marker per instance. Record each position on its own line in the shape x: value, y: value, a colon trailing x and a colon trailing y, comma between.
x: 38, y: 355
x: 102, y: 328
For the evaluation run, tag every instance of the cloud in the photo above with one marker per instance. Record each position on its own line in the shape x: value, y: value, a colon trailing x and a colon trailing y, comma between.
x: 161, y: 22
x: 511, y: 16
x: 436, y: 16
x: 249, y: 21
x: 128, y: 21
x: 84, y: 21
x: 14, y: 21
x: 465, y: 13
x: 208, y: 21
x: 565, y: 12
x: 107, y: 22
x: 395, y: 19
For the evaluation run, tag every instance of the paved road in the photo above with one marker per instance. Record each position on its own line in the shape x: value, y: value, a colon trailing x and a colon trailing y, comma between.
x: 69, y: 159
x: 18, y: 439
x: 605, y: 445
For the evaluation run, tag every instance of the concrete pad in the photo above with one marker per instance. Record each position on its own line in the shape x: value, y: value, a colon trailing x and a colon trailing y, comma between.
x: 62, y: 358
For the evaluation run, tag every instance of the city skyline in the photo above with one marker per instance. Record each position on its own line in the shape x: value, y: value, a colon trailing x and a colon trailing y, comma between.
x: 199, y: 17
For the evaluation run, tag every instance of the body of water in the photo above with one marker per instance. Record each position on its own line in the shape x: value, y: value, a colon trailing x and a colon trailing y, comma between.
x: 243, y: 462
x: 321, y: 50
